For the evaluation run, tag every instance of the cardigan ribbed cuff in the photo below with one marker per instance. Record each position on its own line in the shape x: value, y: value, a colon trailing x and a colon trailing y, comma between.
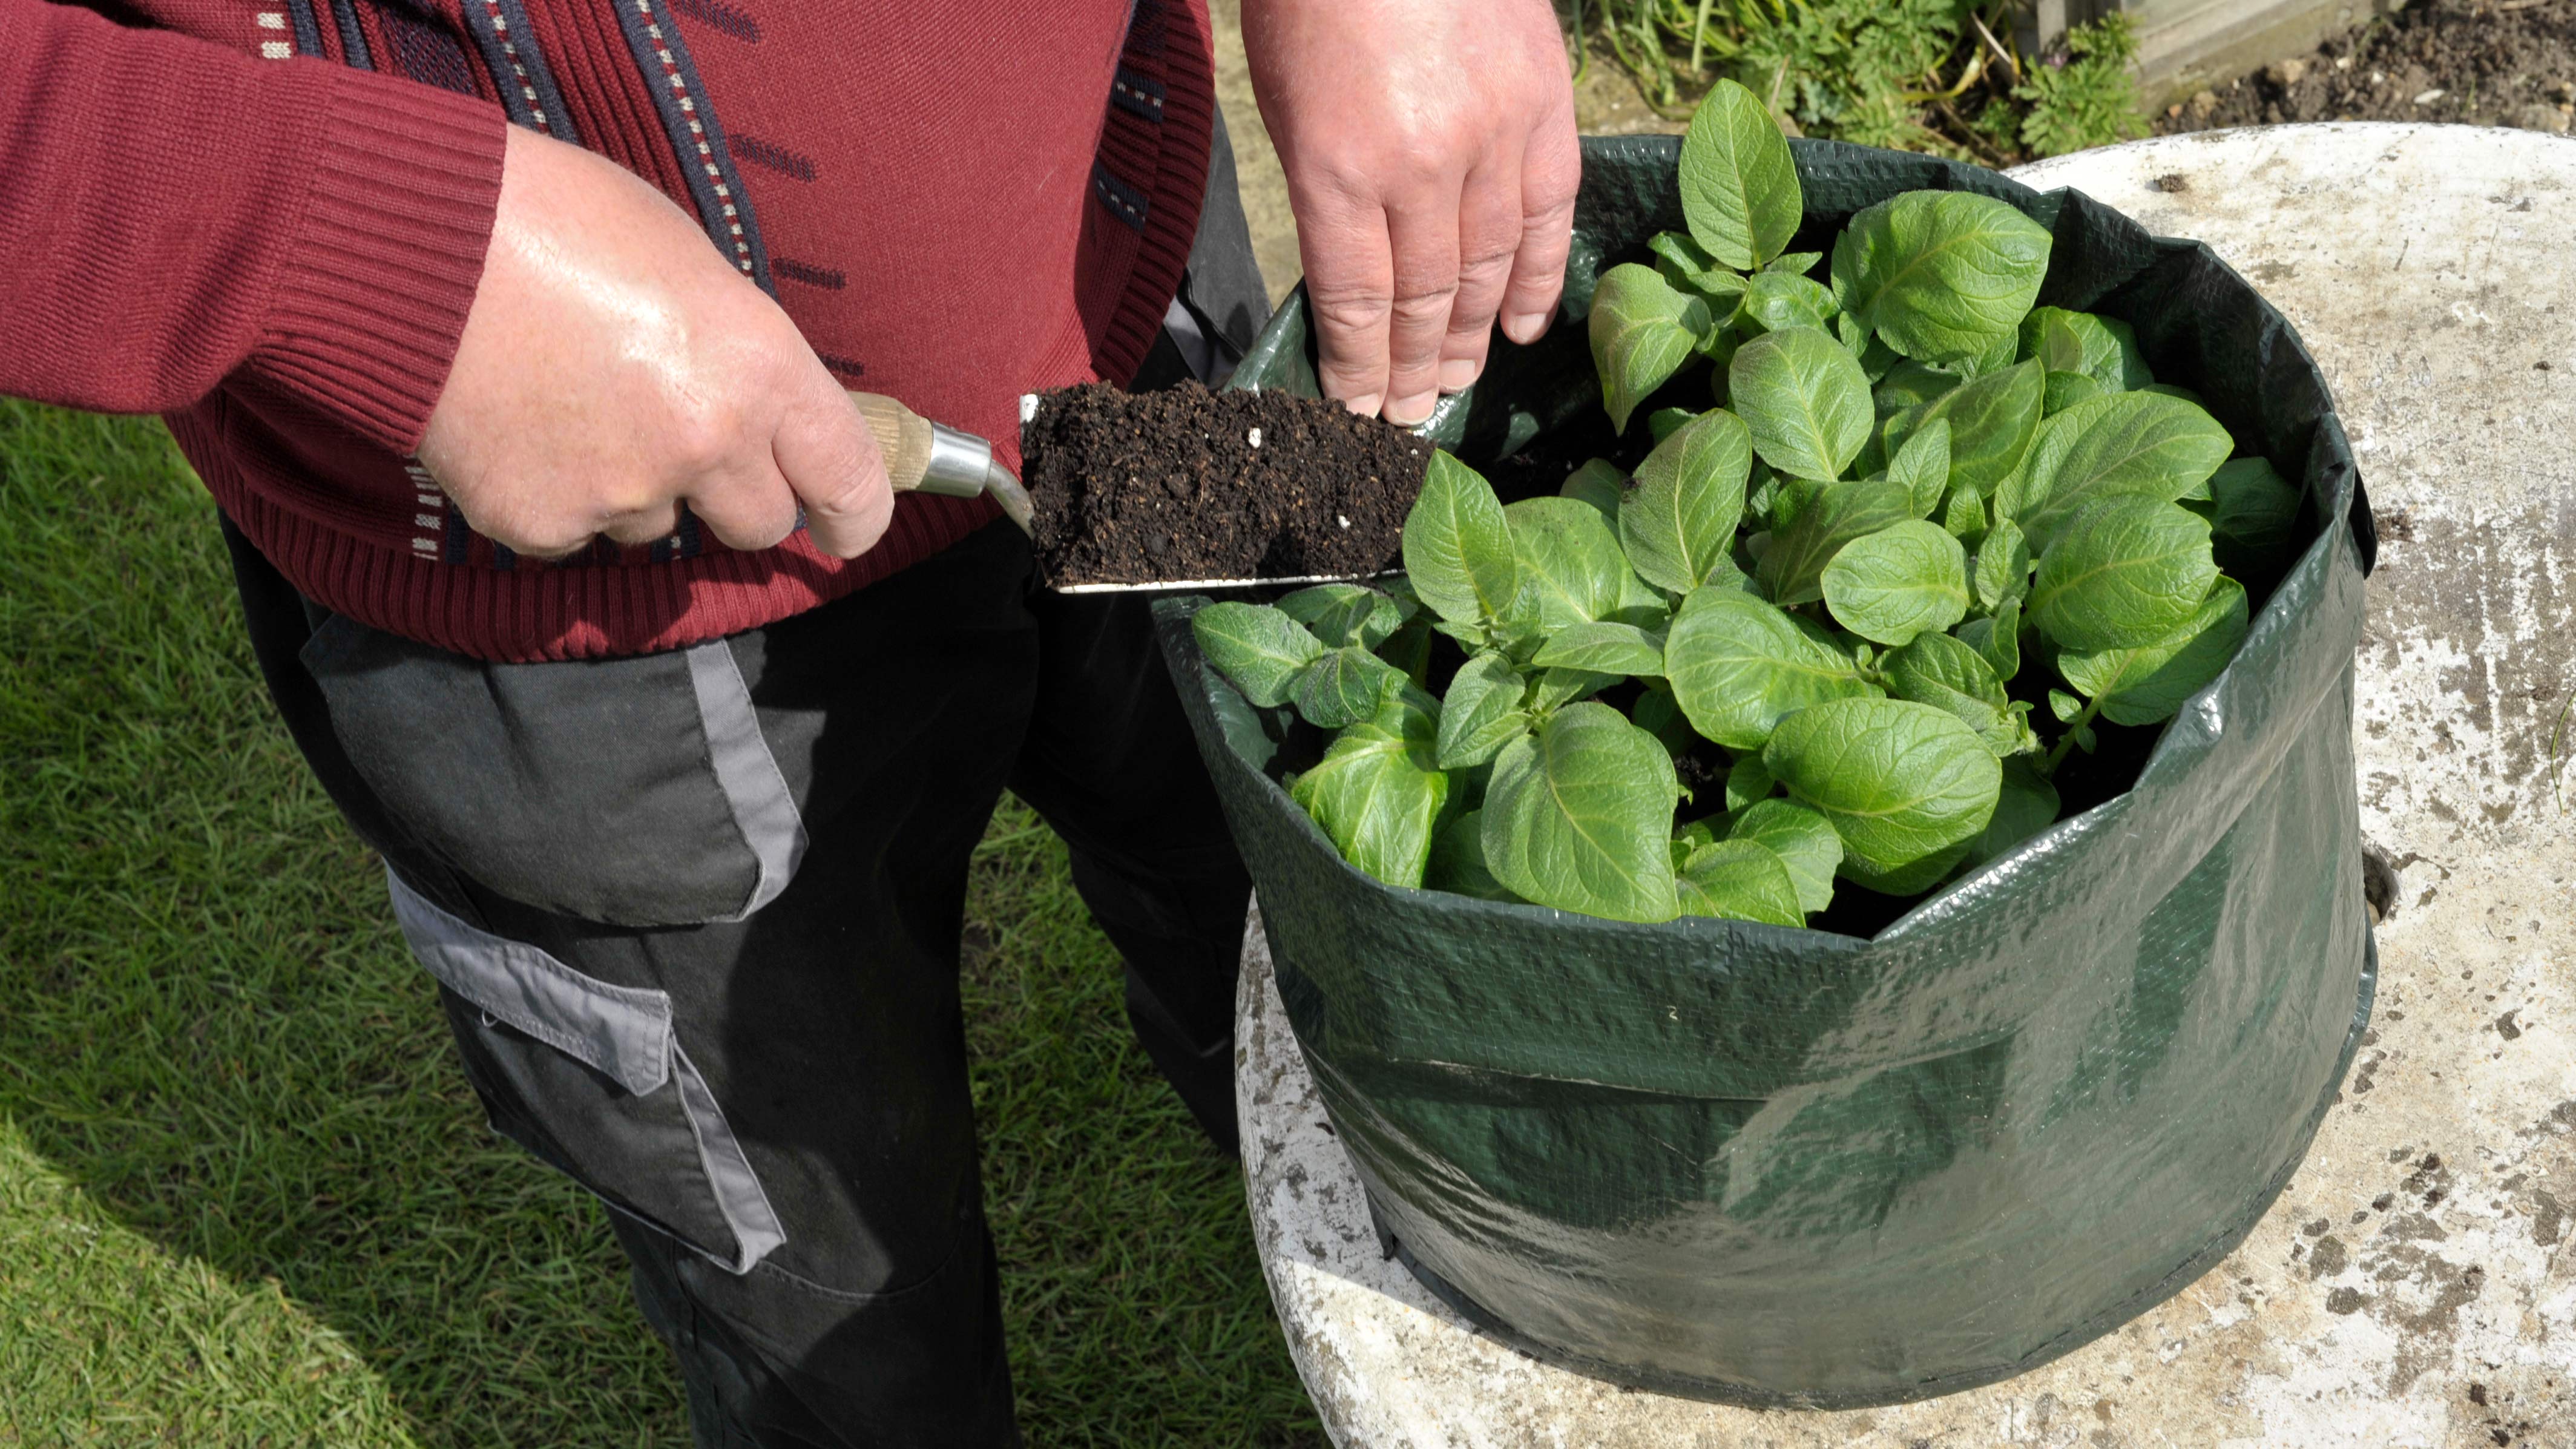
x: 366, y: 314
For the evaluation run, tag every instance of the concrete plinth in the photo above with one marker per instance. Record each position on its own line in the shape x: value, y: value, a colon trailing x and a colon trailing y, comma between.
x: 2414, y: 1285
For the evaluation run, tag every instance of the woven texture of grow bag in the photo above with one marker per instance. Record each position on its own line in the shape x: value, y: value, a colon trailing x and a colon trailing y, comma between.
x: 1793, y: 1167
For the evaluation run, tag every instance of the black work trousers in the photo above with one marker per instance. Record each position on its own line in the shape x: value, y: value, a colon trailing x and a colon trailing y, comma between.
x: 695, y: 918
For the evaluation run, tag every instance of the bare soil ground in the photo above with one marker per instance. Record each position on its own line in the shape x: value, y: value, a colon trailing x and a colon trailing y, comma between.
x: 2476, y: 62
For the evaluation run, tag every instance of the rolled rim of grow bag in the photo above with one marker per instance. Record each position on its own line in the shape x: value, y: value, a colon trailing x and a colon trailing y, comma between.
x: 1789, y: 1167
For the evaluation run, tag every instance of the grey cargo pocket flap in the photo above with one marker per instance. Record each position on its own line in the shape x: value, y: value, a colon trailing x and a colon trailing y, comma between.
x: 623, y: 1032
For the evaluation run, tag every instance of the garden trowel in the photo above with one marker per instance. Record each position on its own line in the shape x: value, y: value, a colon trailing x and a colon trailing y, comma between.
x: 926, y: 457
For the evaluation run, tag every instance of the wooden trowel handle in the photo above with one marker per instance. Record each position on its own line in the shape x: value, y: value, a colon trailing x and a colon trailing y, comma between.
x: 922, y: 456
x: 903, y: 435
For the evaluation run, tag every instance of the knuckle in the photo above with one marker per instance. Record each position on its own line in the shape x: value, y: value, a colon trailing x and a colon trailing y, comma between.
x: 1487, y: 266
x: 752, y: 535
x: 1426, y: 308
x: 547, y: 542
x: 702, y: 435
x: 1347, y: 311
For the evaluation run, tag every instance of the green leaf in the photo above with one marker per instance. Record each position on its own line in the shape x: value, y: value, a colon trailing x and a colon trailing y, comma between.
x: 1739, y: 188
x: 1481, y: 713
x: 1940, y: 274
x: 2022, y: 493
x: 1603, y: 648
x: 1688, y: 266
x: 1570, y: 564
x: 1804, y: 840
x: 1598, y: 483
x: 1409, y: 649
x: 1910, y: 384
x: 1643, y: 329
x: 1662, y: 423
x: 1577, y: 814
x: 2027, y: 805
x: 1877, y: 359
x: 1950, y: 675
x: 1899, y: 781
x: 1901, y: 581
x: 1964, y: 515
x: 1718, y: 345
x: 2125, y: 572
x: 1458, y: 546
x: 1558, y: 685
x: 2066, y: 389
x: 1678, y: 524
x: 1739, y: 880
x: 1260, y: 650
x: 1774, y: 300
x: 1922, y: 466
x: 1748, y: 780
x: 1458, y: 861
x: 1657, y: 714
x: 1759, y: 513
x: 2254, y: 517
x: 1824, y: 518
x: 2149, y: 685
x: 1470, y: 637
x: 2065, y: 706
x: 1649, y: 608
x: 1997, y: 640
x: 2124, y: 445
x: 1911, y: 878
x: 1993, y: 422
x: 1377, y: 792
x: 2101, y: 348
x: 1997, y: 356
x: 1737, y: 665
x: 1794, y: 263
x: 2003, y: 565
x: 1697, y: 835
x: 1345, y: 686
x: 1804, y: 398
x: 1342, y: 614
x: 1407, y: 602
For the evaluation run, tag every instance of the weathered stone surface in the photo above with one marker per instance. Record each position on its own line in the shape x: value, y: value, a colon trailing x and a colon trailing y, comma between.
x: 2414, y: 1286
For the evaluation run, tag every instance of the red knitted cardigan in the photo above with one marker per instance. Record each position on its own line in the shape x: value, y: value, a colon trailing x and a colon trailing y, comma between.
x: 265, y: 219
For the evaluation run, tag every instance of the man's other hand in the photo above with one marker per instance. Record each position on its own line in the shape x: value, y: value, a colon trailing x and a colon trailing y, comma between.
x: 614, y: 367
x: 1431, y: 161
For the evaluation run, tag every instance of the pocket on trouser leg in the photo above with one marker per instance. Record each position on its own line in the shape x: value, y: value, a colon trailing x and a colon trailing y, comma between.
x: 591, y: 1077
x: 633, y: 792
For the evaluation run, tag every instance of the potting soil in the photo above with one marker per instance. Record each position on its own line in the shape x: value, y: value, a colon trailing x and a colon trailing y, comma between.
x: 1185, y: 484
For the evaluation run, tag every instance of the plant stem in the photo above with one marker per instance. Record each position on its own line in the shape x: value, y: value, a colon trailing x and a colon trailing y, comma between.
x: 2066, y: 741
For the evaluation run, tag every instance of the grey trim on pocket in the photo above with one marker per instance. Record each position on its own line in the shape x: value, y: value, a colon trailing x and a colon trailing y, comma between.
x: 762, y: 806
x: 621, y: 1031
x: 739, y: 1195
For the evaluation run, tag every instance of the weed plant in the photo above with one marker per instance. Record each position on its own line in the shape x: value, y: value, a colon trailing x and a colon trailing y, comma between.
x: 1920, y: 75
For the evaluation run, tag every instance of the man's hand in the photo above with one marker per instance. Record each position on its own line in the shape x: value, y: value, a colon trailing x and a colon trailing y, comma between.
x: 1431, y: 161
x: 614, y: 366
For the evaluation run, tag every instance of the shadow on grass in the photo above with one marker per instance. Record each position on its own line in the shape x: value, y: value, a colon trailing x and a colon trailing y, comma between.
x: 210, y: 1028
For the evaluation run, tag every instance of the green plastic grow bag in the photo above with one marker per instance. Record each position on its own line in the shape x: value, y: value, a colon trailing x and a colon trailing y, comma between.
x: 1789, y: 1167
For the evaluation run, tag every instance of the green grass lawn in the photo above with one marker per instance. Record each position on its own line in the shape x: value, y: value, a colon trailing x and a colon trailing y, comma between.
x: 245, y: 1195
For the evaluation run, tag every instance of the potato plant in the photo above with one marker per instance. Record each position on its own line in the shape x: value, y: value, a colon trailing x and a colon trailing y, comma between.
x: 1918, y: 510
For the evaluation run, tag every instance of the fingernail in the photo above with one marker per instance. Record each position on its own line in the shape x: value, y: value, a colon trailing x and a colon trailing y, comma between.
x: 1409, y: 412
x: 1365, y: 404
x: 1458, y: 372
x: 1525, y: 327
